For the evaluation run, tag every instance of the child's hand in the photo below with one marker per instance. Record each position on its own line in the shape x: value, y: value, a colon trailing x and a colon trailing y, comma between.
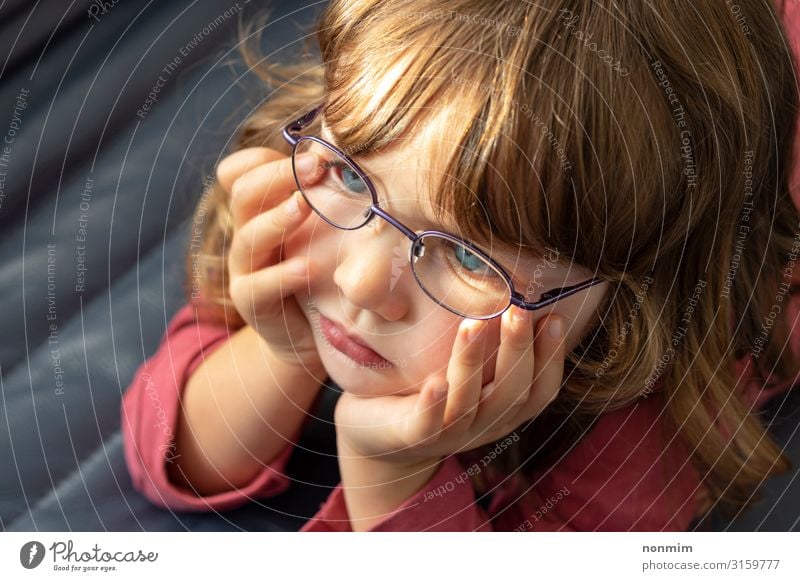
x: 412, y: 428
x: 260, y: 182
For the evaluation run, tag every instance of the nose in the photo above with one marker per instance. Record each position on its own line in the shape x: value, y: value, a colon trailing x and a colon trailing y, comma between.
x: 373, y: 271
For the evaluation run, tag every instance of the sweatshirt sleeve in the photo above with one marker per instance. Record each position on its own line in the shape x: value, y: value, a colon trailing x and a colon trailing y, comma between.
x: 150, y: 409
x: 620, y: 477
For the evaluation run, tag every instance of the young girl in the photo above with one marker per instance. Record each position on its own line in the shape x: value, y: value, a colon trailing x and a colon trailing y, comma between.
x: 605, y: 296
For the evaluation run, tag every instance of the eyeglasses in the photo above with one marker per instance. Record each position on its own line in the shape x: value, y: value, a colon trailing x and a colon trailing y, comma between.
x: 453, y: 272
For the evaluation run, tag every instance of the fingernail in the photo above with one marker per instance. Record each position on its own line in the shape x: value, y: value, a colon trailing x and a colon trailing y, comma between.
x: 293, y: 205
x: 475, y: 330
x: 305, y: 163
x: 555, y: 328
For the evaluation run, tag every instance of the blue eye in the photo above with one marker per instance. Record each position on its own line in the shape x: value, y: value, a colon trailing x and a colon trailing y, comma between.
x: 352, y: 181
x: 350, y: 178
x: 467, y: 259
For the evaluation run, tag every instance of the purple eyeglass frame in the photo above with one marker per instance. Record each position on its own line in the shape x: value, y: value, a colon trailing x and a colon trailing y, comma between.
x: 517, y: 299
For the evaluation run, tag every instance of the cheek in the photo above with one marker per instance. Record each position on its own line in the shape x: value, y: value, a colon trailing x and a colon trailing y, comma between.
x: 436, y: 360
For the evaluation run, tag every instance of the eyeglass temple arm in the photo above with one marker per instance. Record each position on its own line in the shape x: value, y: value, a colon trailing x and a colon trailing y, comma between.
x: 295, y: 126
x: 552, y: 296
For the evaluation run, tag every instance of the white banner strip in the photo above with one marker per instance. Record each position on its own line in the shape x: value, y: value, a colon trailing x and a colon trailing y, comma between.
x: 400, y: 556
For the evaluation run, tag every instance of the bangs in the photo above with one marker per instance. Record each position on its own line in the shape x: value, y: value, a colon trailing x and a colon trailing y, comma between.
x: 462, y: 111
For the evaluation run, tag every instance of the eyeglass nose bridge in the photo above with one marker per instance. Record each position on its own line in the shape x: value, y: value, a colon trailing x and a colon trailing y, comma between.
x: 374, y: 210
x: 417, y: 249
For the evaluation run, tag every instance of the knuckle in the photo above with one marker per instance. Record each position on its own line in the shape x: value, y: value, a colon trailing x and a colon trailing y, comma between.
x: 522, y: 344
x: 243, y: 242
x: 225, y: 174
x: 516, y: 405
x: 256, y: 179
x: 277, y: 172
x: 412, y: 436
x: 463, y: 414
x: 278, y: 218
x: 238, y: 291
x: 409, y: 433
x: 471, y: 358
x: 238, y: 187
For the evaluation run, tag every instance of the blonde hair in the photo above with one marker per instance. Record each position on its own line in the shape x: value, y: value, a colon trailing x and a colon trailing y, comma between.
x: 641, y: 150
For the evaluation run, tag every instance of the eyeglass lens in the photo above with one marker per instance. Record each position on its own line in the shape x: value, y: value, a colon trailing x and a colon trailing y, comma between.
x: 448, y: 271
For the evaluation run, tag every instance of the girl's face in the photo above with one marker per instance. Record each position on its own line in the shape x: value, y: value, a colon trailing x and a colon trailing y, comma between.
x: 362, y: 281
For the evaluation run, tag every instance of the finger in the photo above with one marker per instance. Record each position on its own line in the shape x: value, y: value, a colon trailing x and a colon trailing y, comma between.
x: 239, y: 162
x: 465, y: 372
x: 266, y: 185
x: 255, y: 244
x: 260, y: 293
x: 503, y: 399
x: 549, y: 368
x: 425, y: 425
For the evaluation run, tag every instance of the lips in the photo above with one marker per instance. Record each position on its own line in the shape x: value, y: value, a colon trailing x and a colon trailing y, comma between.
x: 349, y: 345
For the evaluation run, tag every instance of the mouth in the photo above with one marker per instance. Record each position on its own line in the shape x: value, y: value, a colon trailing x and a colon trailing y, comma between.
x: 350, y: 345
